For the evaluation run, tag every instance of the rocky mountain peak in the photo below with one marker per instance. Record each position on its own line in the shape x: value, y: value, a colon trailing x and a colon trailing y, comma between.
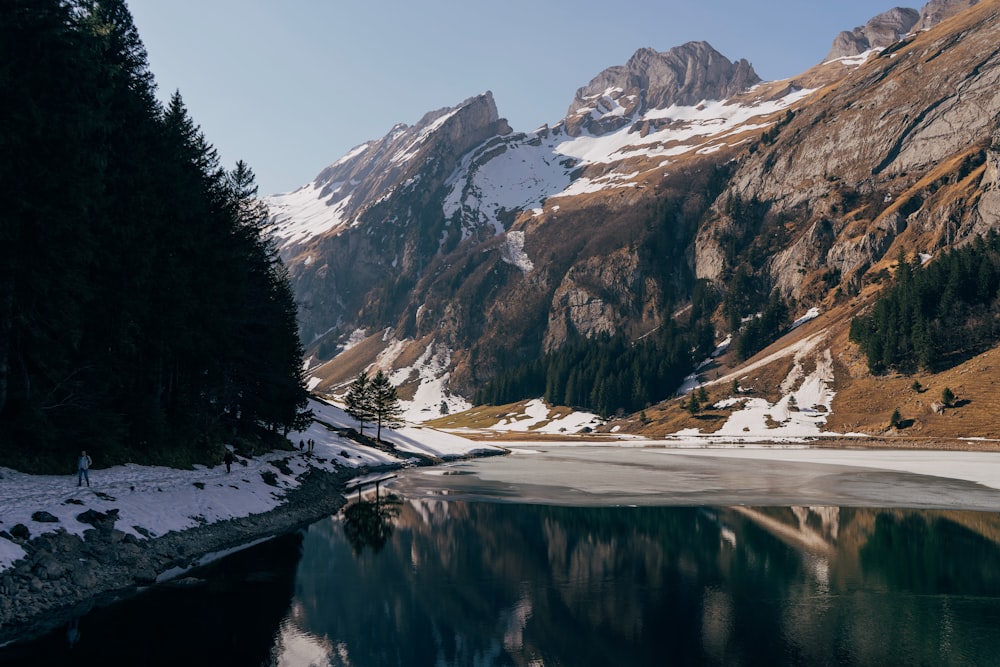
x: 341, y: 194
x: 889, y: 27
x: 684, y: 75
x: 936, y: 11
x: 879, y: 32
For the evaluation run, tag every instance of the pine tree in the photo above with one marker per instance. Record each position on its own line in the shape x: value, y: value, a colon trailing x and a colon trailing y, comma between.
x: 360, y: 400
x: 947, y: 396
x: 385, y: 404
x: 702, y: 395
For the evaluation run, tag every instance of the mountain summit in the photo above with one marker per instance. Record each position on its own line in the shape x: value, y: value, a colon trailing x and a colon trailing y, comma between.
x: 881, y: 31
x: 684, y: 76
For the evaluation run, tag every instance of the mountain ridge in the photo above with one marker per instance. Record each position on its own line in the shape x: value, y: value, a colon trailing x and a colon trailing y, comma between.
x: 534, y: 239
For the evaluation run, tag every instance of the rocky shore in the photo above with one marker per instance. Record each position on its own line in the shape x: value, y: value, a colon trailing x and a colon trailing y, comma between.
x: 64, y: 575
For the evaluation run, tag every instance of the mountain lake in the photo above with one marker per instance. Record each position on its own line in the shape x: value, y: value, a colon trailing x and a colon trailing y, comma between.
x: 588, y: 556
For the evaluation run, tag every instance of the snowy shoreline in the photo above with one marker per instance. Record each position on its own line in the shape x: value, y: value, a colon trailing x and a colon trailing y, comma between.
x: 65, y: 548
x: 64, y: 576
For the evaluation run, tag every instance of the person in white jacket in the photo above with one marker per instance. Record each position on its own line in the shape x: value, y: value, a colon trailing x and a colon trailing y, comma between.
x: 82, y: 468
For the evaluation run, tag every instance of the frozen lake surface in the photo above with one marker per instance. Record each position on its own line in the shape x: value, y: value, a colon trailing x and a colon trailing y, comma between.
x: 749, y: 475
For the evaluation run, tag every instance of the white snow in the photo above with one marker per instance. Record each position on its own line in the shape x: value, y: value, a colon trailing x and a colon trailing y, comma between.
x: 799, y: 414
x: 159, y: 500
x: 522, y: 171
x: 811, y: 314
x: 431, y: 372
x: 855, y: 61
x: 536, y: 418
x: 308, y: 212
x: 690, y: 129
x: 513, y: 252
x: 409, y: 152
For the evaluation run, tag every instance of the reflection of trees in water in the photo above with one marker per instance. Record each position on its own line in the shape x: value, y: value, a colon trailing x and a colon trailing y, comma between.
x: 369, y: 524
x: 918, y: 553
x: 499, y: 584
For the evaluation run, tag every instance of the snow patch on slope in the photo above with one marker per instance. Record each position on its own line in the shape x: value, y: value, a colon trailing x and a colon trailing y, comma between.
x: 520, y: 173
x: 431, y: 399
x: 800, y: 413
x: 513, y: 252
x: 308, y: 212
x: 537, y: 418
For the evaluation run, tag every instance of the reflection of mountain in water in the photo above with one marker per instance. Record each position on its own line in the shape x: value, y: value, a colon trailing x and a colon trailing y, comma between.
x: 914, y: 549
x: 505, y: 584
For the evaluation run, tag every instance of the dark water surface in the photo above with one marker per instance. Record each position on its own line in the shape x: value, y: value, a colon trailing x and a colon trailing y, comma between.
x: 428, y: 582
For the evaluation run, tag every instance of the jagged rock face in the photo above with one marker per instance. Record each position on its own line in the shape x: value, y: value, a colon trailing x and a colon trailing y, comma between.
x: 879, y: 32
x: 684, y: 75
x: 597, y: 296
x: 379, y: 229
x: 936, y: 11
x: 889, y: 150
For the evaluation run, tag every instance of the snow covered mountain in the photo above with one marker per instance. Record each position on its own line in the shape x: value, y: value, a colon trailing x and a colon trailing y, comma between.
x: 452, y: 249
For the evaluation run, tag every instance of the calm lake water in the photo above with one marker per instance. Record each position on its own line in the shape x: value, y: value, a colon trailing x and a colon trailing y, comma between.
x: 429, y: 581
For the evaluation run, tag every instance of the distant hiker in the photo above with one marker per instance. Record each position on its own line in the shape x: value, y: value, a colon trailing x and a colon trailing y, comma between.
x: 229, y: 461
x: 312, y: 445
x: 302, y: 445
x: 82, y: 468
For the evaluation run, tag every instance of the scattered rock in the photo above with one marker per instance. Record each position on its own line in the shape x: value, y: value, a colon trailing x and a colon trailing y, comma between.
x: 20, y: 532
x: 93, y: 517
x: 44, y: 517
x: 49, y: 568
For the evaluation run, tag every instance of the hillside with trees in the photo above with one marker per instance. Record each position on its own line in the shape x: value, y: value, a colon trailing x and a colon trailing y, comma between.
x: 142, y: 309
x: 935, y: 316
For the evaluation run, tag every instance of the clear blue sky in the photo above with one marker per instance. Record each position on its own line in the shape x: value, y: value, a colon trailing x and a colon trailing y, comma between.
x: 292, y: 85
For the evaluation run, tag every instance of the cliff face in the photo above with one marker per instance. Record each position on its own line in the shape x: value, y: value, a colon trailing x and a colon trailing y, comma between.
x: 365, y: 225
x: 899, y: 146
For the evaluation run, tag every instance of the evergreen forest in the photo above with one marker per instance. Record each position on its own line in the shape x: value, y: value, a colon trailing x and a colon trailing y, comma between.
x: 614, y: 375
x: 144, y: 315
x: 936, y: 314
x: 610, y: 374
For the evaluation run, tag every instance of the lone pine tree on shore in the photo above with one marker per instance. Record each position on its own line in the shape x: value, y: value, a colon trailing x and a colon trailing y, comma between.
x: 373, y: 400
x: 385, y: 404
x: 359, y: 400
